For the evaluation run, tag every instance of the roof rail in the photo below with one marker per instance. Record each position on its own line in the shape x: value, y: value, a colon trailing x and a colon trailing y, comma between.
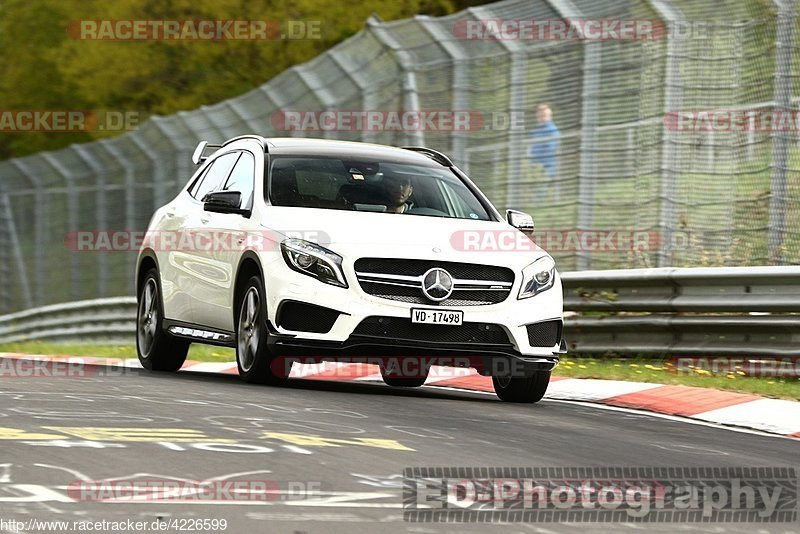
x: 431, y: 153
x: 198, y: 156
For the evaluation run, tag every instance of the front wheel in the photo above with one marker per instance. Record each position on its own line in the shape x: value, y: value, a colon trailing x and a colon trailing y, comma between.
x: 522, y: 388
x: 255, y: 361
x: 156, y: 348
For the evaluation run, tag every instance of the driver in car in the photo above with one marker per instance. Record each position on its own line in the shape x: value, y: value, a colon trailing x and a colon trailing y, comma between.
x: 397, y: 190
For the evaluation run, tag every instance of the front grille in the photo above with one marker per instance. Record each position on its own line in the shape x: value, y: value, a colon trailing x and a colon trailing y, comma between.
x: 544, y: 334
x: 303, y: 317
x: 463, y: 271
x: 400, y: 279
x: 400, y: 329
x: 414, y: 295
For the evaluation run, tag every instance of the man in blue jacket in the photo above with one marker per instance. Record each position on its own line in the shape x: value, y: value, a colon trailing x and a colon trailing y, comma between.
x: 545, y: 140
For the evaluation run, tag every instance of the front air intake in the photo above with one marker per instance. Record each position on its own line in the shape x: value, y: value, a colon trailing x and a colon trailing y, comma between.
x: 304, y: 317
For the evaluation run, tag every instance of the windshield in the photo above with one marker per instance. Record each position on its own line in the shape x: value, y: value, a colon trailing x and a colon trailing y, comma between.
x: 382, y: 187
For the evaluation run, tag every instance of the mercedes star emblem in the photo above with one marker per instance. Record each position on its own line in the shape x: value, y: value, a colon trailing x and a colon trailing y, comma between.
x: 437, y: 284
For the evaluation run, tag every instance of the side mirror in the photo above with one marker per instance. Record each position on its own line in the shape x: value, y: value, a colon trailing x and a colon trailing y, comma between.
x: 224, y: 202
x: 520, y: 220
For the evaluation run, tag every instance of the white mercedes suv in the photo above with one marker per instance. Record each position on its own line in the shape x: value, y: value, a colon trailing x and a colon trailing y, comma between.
x: 306, y: 250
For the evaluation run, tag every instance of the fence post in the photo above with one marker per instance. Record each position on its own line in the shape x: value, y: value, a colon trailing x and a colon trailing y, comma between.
x: 459, y: 100
x: 130, y: 199
x: 360, y: 81
x: 780, y: 140
x: 516, y: 151
x: 592, y: 62
x: 39, y: 229
x: 279, y: 105
x: 317, y: 87
x: 101, y: 212
x: 9, y: 243
x: 672, y: 102
x: 405, y: 63
x: 587, y: 173
x: 5, y: 247
x: 72, y: 219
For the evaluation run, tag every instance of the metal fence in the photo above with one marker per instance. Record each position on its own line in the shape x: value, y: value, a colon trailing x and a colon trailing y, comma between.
x: 706, y: 197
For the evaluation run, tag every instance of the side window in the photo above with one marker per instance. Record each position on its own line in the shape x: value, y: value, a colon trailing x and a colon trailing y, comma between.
x: 197, y: 181
x: 215, y: 176
x: 241, y: 178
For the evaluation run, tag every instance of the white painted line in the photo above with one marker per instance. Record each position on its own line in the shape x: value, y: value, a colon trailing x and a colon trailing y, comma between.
x: 589, y: 389
x: 439, y: 373
x: 677, y: 418
x: 771, y: 415
x: 374, y: 377
x: 300, y: 370
x: 210, y: 367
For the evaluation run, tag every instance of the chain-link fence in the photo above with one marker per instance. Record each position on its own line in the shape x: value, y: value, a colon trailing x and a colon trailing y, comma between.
x: 625, y: 159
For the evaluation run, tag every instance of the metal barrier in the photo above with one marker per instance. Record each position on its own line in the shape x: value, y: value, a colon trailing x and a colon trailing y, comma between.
x: 110, y: 320
x: 706, y: 195
x: 743, y: 311
x: 693, y: 312
x: 717, y: 289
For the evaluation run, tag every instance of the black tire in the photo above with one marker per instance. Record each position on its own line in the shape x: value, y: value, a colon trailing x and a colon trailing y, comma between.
x: 156, y: 348
x: 392, y: 376
x: 253, y: 357
x: 522, y: 388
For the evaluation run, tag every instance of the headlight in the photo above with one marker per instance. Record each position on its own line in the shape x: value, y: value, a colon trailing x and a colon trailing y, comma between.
x: 537, y: 277
x: 311, y: 259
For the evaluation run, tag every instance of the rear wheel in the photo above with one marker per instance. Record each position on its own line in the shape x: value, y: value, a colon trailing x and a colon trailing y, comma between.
x: 156, y: 348
x: 394, y: 376
x: 522, y: 388
x: 255, y: 361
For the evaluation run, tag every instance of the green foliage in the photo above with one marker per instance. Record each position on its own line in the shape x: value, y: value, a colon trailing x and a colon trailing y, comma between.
x: 44, y: 68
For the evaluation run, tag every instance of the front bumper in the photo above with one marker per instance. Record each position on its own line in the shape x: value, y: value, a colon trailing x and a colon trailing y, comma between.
x: 355, y: 306
x: 489, y: 360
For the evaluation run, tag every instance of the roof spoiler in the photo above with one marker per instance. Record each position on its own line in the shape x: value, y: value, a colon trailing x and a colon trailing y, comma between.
x: 199, y: 153
x: 198, y: 156
x: 435, y: 155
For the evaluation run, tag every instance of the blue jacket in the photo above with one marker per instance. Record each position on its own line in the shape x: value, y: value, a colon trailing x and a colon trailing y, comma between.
x: 544, y: 146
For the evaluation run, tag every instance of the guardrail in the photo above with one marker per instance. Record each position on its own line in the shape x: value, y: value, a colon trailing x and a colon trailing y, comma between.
x: 110, y: 320
x: 734, y: 311
x: 737, y: 311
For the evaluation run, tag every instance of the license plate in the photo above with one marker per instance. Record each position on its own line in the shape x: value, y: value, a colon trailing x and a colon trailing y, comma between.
x: 448, y: 317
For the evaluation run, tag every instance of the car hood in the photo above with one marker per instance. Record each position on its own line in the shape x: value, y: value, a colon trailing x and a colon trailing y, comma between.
x: 362, y: 234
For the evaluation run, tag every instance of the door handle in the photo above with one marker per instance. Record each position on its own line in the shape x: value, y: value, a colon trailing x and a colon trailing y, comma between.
x: 170, y: 214
x: 204, y: 221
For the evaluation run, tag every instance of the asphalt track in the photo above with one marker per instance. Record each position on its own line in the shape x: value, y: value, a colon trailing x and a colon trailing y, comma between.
x: 346, y: 442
